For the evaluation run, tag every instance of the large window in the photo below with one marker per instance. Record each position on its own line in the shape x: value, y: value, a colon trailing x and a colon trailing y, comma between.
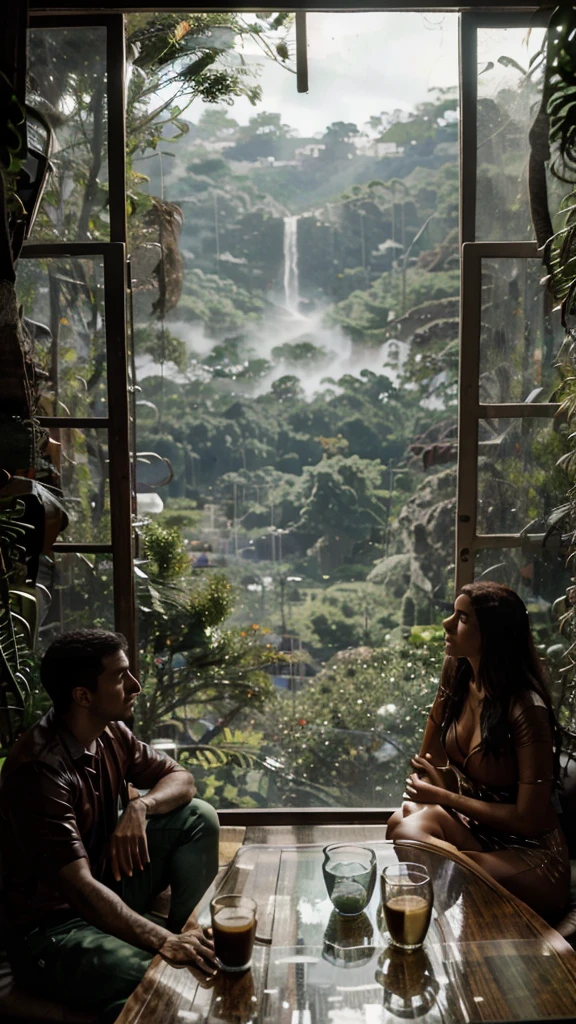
x: 300, y: 486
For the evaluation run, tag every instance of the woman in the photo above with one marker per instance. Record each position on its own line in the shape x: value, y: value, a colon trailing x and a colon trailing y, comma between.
x: 488, y: 767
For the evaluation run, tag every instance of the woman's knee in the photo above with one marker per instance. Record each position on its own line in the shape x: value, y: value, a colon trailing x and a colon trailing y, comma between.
x: 392, y: 823
x: 395, y: 819
x: 424, y: 821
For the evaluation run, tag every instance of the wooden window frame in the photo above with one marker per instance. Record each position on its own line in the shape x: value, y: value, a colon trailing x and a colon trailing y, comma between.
x: 470, y: 409
x: 113, y: 253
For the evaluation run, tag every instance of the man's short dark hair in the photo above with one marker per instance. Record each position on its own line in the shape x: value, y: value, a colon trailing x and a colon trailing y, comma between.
x: 75, y: 659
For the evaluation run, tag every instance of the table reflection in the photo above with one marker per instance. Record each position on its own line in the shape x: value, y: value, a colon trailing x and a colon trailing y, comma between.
x: 348, y: 941
x: 234, y: 998
x: 409, y: 983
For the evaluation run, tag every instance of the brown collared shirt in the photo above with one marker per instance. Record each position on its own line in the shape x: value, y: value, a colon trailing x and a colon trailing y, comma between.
x: 58, y: 803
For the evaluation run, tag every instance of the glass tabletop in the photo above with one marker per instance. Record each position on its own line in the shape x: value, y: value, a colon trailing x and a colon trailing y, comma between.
x: 303, y: 985
x: 481, y: 960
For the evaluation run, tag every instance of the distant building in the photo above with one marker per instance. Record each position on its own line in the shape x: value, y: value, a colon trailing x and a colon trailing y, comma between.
x: 377, y: 150
x: 311, y: 151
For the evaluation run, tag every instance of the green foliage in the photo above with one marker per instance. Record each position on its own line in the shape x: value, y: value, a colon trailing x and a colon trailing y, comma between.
x: 408, y: 610
x: 191, y: 665
x: 560, y: 259
x: 161, y: 346
x: 299, y: 352
x: 165, y: 549
x: 348, y: 610
x: 428, y: 120
x: 342, y: 493
x: 14, y: 686
x: 366, y: 315
x: 230, y: 772
x: 357, y: 724
x: 181, y: 514
x: 222, y: 306
x: 21, y: 698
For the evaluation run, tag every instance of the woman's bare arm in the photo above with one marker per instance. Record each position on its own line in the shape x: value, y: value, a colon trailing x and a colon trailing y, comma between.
x: 432, y: 738
x: 533, y: 813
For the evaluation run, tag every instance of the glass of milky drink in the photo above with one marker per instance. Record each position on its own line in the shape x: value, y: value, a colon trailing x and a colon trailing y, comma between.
x: 350, y: 876
x: 234, y: 929
x: 407, y: 898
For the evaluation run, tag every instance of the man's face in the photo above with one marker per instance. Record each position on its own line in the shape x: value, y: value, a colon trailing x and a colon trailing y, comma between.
x: 116, y: 691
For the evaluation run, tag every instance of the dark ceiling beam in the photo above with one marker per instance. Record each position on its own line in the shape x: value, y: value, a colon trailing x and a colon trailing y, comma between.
x: 66, y: 6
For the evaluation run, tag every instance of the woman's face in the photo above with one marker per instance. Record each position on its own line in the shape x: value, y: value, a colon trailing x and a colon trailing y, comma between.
x: 462, y: 630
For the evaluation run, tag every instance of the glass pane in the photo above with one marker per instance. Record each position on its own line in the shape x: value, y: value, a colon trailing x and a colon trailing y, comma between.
x: 81, y: 588
x: 81, y: 458
x: 520, y: 337
x: 516, y: 488
x: 508, y: 100
x: 314, y: 342
x: 67, y: 84
x: 63, y: 300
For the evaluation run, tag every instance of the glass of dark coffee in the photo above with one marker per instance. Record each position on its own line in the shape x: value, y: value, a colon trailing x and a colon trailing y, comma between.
x: 407, y: 899
x: 234, y: 929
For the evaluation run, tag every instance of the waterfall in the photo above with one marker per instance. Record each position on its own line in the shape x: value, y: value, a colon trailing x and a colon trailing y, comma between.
x: 291, y: 296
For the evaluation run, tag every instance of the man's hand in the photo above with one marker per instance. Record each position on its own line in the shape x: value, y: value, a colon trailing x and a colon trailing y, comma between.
x: 128, y: 845
x: 190, y: 949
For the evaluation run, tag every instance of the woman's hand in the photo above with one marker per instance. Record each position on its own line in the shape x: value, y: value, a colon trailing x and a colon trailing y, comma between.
x: 423, y: 792
x: 424, y: 764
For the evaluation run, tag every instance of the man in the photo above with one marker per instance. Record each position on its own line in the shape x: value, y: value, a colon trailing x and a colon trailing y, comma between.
x: 77, y: 880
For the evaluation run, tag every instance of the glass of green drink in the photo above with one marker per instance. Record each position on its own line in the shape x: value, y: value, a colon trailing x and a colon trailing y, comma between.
x: 350, y: 876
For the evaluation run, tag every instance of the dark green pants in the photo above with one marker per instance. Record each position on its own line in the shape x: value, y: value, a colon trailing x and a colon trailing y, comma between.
x: 71, y: 961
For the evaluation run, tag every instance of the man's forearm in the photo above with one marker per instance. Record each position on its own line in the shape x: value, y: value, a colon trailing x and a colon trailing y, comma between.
x: 171, y: 792
x: 101, y: 907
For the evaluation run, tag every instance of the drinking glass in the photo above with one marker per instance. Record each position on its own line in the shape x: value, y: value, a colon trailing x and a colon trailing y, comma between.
x: 350, y: 876
x: 234, y: 929
x: 407, y: 898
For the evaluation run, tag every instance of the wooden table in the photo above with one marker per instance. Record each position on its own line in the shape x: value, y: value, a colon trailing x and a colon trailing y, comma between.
x: 486, y: 957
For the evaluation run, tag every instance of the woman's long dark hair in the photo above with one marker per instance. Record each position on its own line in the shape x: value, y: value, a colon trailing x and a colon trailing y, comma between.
x: 509, y: 668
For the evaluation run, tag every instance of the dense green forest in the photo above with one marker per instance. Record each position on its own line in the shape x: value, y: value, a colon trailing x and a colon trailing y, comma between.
x: 316, y: 420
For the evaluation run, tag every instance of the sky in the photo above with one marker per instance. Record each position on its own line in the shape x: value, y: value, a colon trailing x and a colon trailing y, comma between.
x: 364, y: 63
